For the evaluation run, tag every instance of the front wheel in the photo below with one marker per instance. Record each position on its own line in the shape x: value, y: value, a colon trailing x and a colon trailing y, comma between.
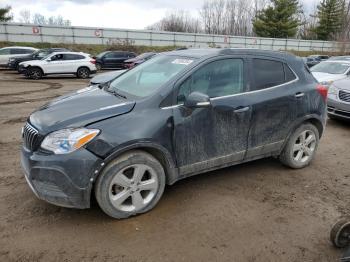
x: 98, y: 66
x: 35, y: 73
x: 83, y: 72
x: 301, y: 147
x: 130, y: 185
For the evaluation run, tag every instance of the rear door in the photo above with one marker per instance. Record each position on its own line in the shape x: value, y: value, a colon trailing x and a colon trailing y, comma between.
x: 275, y: 105
x: 214, y: 136
x: 71, y: 62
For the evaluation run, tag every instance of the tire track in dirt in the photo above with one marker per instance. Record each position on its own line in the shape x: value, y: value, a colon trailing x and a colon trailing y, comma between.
x: 51, y: 85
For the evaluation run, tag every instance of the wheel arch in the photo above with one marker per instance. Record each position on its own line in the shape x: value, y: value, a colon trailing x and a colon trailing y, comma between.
x: 36, y: 66
x: 83, y: 66
x: 157, y: 151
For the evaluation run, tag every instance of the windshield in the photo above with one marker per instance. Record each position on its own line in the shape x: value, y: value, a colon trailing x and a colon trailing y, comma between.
x: 146, y: 78
x: 331, y: 68
x: 144, y: 55
x: 41, y: 54
x: 102, y: 54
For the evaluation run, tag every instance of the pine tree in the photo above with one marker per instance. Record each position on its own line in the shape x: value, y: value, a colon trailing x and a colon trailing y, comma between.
x: 279, y: 20
x: 330, y: 15
x: 4, y: 14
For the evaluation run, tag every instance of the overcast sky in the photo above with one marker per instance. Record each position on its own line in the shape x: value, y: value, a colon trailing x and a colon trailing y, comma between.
x: 131, y: 14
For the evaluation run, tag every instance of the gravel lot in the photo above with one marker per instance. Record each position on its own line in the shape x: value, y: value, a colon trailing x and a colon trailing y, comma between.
x: 259, y: 211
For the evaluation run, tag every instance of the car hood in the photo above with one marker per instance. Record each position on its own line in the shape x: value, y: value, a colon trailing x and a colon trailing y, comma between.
x: 343, y: 84
x: 324, y: 77
x: 79, y: 109
x: 32, y: 62
x: 132, y: 60
x: 106, y: 77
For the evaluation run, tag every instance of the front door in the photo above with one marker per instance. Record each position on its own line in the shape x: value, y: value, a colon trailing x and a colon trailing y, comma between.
x: 215, y: 136
x: 55, y: 65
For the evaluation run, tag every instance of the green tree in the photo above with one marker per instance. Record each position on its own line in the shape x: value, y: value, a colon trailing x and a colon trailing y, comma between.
x: 278, y: 20
x: 5, y: 14
x: 330, y: 15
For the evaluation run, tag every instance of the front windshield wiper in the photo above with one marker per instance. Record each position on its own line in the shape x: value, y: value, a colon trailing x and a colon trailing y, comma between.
x: 114, y: 92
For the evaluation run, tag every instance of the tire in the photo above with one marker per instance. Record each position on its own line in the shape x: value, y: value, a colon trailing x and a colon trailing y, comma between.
x: 340, y: 233
x: 83, y: 72
x: 118, y: 189
x: 301, y: 147
x: 35, y: 73
x: 98, y: 66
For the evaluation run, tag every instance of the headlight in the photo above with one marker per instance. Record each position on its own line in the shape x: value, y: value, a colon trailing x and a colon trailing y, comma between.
x: 327, y: 83
x: 333, y: 90
x: 11, y: 59
x: 68, y: 140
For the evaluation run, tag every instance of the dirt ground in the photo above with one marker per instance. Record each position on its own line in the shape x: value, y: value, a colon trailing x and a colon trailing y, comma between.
x: 259, y: 211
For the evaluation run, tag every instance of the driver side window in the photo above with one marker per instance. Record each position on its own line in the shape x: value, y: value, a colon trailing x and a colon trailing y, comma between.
x: 218, y: 78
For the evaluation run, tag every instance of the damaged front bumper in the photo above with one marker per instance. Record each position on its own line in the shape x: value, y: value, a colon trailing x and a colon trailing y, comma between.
x: 63, y: 180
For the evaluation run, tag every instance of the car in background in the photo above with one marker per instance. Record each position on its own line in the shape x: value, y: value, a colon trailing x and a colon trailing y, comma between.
x: 14, y: 62
x: 79, y: 64
x: 104, y: 78
x: 113, y: 59
x: 347, y: 58
x: 319, y: 57
x: 14, y: 51
x: 338, y: 104
x: 311, y: 61
x: 329, y: 71
x: 130, y: 63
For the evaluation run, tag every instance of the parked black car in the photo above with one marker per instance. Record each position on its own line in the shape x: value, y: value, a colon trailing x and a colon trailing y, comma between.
x: 179, y: 114
x: 319, y: 57
x: 311, y: 61
x: 130, y: 63
x: 113, y: 59
x: 14, y: 62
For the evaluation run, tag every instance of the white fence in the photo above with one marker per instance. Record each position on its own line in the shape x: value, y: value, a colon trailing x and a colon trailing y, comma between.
x: 15, y: 32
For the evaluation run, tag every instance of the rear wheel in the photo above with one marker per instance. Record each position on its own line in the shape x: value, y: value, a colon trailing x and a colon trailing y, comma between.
x: 83, y: 72
x: 301, y: 147
x: 130, y: 185
x: 35, y: 73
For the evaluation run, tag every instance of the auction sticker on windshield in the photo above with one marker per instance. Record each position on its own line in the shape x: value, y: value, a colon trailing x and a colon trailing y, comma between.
x: 179, y: 61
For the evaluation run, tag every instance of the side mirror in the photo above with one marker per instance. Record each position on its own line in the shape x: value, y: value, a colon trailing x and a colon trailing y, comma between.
x: 48, y: 60
x: 197, y: 100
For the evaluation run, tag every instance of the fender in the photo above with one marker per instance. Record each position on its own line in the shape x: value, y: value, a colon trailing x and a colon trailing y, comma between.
x: 311, y: 118
x: 171, y: 171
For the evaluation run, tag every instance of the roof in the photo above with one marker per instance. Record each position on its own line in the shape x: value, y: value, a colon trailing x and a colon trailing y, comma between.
x: 207, y: 52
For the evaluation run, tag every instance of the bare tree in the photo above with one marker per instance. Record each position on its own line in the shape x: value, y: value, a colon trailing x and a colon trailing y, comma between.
x: 177, y: 21
x: 25, y: 16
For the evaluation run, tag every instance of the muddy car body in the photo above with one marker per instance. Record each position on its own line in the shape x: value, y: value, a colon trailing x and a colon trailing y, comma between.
x: 179, y: 114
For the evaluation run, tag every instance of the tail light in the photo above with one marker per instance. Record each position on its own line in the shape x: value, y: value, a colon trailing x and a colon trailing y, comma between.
x: 93, y: 62
x: 323, y: 91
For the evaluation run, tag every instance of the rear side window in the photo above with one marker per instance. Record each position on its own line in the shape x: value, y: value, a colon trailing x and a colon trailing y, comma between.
x: 4, y: 51
x: 73, y: 57
x: 290, y: 76
x: 269, y: 73
x: 19, y: 51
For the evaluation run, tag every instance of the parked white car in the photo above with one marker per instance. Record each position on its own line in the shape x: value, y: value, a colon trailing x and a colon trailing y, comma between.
x: 329, y: 71
x: 8, y: 52
x: 79, y: 64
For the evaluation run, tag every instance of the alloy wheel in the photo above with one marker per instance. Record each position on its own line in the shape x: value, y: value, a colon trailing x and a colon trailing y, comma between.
x: 304, y: 146
x: 133, y: 188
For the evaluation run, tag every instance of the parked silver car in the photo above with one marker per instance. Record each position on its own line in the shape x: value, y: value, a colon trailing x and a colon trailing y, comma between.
x: 339, y: 99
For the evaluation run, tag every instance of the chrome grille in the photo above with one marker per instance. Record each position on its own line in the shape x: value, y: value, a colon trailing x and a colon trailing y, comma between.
x: 344, y: 96
x: 31, y: 137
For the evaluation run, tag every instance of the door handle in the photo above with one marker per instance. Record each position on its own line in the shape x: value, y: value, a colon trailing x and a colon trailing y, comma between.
x: 299, y: 94
x: 241, y: 109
